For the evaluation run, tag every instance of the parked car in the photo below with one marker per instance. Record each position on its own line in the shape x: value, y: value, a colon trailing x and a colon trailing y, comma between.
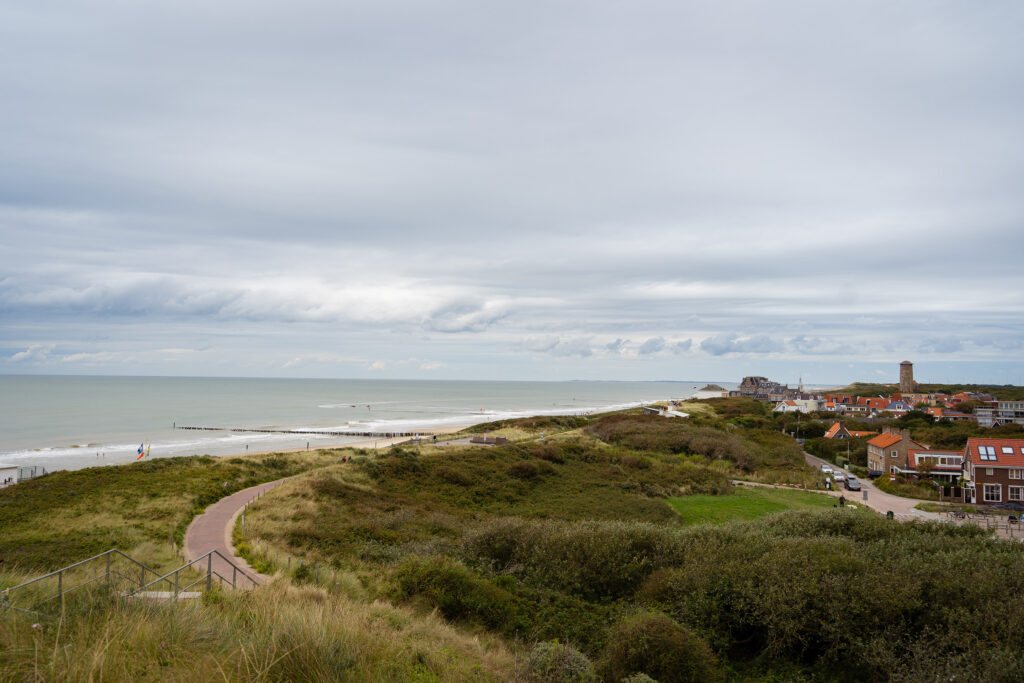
x: 852, y: 484
x: 839, y: 475
x: 826, y: 469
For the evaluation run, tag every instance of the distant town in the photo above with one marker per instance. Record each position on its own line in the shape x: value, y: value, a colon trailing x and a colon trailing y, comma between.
x: 987, y: 470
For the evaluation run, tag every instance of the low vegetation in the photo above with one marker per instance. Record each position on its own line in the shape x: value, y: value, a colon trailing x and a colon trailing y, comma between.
x: 66, y: 516
x: 901, y: 486
x: 1003, y: 392
x: 279, y: 633
x: 614, y: 549
x: 747, y: 502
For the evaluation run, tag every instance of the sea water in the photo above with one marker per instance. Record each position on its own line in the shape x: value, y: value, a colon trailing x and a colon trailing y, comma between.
x: 65, y: 422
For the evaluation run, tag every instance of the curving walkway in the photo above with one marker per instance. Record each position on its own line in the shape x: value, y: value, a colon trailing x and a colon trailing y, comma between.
x: 876, y: 499
x: 212, y: 530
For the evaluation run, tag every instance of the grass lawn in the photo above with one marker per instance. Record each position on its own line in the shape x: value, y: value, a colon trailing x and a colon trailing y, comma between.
x: 746, y: 502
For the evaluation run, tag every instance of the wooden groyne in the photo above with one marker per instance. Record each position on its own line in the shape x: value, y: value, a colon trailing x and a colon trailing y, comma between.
x: 307, y: 432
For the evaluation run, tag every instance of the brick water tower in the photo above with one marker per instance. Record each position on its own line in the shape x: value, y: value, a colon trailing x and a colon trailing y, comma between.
x: 906, y: 377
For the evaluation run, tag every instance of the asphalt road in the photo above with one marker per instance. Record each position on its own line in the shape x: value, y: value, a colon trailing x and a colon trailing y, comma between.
x: 876, y: 498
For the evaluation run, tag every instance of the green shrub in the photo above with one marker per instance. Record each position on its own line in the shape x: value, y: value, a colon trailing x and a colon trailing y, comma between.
x: 655, y: 645
x: 593, y: 560
x: 554, y: 662
x: 454, y: 589
x: 748, y: 449
x: 453, y: 476
x: 524, y: 470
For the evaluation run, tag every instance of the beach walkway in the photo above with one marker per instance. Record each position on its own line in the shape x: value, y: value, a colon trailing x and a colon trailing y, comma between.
x: 212, y: 530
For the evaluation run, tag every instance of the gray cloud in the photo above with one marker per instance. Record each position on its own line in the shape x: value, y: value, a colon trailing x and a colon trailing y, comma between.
x: 652, y: 345
x: 682, y: 346
x: 359, y: 181
x: 617, y: 346
x: 559, y: 347
x: 941, y: 345
x: 722, y: 344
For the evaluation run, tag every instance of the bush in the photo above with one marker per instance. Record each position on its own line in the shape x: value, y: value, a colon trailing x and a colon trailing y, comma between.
x: 923, y: 489
x: 454, y: 476
x: 593, y: 560
x: 557, y: 663
x: 655, y: 645
x: 748, y: 449
x: 454, y: 589
x: 634, y: 462
x: 524, y: 470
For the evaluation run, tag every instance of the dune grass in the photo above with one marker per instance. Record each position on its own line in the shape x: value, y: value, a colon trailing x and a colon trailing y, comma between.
x: 143, y: 508
x: 281, y: 632
x: 746, y: 502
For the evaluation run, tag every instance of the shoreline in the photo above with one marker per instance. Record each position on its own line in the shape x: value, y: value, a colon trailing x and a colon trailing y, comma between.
x: 376, y: 444
x: 369, y: 443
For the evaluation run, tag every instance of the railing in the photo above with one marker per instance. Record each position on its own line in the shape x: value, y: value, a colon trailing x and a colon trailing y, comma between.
x: 1004, y: 525
x: 173, y: 578
x: 128, y: 583
x: 66, y: 574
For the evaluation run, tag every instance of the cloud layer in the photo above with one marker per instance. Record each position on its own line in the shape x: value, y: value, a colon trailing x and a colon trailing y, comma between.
x: 600, y: 190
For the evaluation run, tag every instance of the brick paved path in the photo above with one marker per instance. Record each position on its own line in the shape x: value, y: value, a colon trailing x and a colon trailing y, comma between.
x: 212, y: 531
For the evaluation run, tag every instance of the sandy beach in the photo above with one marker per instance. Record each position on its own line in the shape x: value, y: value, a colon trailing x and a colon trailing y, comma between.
x: 427, y: 435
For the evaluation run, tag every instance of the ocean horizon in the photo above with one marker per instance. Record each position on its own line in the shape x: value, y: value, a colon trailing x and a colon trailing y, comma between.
x: 76, y: 421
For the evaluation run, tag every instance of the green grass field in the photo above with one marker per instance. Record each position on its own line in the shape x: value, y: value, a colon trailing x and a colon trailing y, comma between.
x: 746, y: 502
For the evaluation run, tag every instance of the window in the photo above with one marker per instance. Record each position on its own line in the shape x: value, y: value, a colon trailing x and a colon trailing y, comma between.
x: 1007, y: 450
x: 1017, y: 493
x: 993, y: 493
x: 986, y: 452
x: 1015, y: 474
x: 894, y: 454
x: 989, y: 472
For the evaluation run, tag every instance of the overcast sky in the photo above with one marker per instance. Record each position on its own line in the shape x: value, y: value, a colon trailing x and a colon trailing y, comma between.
x: 513, y: 190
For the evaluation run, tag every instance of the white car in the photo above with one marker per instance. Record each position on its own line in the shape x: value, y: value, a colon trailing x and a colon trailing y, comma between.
x: 838, y: 475
x: 825, y: 469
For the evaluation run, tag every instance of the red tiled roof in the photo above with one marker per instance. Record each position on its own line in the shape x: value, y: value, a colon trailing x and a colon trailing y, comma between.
x: 1014, y: 458
x: 833, y: 430
x: 862, y: 434
x: 885, y: 440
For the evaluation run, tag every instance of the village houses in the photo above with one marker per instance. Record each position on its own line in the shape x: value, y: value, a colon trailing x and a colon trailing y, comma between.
x: 993, y: 471
x: 887, y: 452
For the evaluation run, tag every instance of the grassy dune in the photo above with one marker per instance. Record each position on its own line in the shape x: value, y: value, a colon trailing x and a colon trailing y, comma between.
x: 67, y: 516
x: 282, y: 632
x: 614, y: 546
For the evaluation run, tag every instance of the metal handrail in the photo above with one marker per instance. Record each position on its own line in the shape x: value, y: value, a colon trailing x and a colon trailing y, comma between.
x: 208, y: 556
x: 109, y: 572
x: 78, y: 564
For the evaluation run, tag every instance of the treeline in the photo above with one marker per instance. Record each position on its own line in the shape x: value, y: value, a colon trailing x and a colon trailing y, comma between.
x: 1003, y: 392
